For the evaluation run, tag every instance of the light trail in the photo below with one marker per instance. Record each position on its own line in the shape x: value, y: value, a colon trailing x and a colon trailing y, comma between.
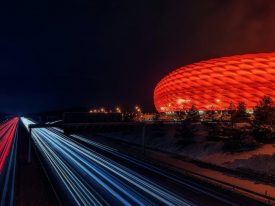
x: 7, y: 131
x: 154, y: 169
x: 8, y: 153
x: 89, y: 178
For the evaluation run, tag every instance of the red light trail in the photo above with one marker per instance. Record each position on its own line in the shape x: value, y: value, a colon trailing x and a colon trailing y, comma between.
x: 7, y: 133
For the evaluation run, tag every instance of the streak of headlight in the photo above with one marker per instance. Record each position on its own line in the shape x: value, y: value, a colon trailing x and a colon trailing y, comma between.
x: 87, y: 175
x: 151, y: 167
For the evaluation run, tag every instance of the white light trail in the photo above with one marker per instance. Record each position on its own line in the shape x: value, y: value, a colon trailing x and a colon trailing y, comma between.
x: 89, y: 178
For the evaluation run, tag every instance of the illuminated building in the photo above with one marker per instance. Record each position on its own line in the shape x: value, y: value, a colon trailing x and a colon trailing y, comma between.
x: 213, y: 84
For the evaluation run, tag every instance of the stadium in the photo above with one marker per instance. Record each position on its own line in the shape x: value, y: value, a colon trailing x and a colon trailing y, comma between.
x: 215, y: 83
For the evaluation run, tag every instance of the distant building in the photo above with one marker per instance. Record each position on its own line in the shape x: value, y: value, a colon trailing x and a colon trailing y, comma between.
x: 214, y: 84
x: 149, y: 116
x: 86, y: 117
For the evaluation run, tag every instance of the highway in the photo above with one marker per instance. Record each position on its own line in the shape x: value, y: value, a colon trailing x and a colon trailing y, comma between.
x: 88, y: 173
x: 8, y: 150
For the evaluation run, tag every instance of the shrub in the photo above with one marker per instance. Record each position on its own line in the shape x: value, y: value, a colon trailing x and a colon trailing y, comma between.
x: 240, y: 141
x: 185, y: 133
x: 263, y: 133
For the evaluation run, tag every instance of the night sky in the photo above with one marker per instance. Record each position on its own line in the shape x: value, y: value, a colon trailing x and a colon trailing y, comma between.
x: 58, y: 54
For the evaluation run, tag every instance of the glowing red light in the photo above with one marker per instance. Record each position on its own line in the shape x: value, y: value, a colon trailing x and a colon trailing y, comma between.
x: 217, y: 82
x: 7, y: 132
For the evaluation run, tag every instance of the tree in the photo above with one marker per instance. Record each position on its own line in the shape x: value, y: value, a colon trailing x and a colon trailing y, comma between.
x: 241, y: 140
x: 263, y: 119
x: 215, y: 130
x: 240, y: 114
x: 185, y: 133
x: 263, y: 133
x: 264, y: 111
x: 231, y: 108
x: 231, y: 112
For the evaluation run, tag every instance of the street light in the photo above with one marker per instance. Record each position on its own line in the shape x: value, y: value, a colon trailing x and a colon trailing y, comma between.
x: 118, y: 110
x: 137, y: 108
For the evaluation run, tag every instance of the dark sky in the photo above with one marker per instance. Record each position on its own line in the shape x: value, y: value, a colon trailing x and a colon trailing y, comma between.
x: 57, y: 54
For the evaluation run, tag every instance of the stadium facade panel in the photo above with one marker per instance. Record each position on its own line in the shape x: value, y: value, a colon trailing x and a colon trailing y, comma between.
x: 215, y: 83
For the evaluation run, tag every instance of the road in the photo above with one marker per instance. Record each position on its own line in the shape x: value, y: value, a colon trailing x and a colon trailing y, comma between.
x: 88, y: 173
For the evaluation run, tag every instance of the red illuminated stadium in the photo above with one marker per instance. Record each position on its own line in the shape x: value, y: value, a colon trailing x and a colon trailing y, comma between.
x: 217, y: 82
